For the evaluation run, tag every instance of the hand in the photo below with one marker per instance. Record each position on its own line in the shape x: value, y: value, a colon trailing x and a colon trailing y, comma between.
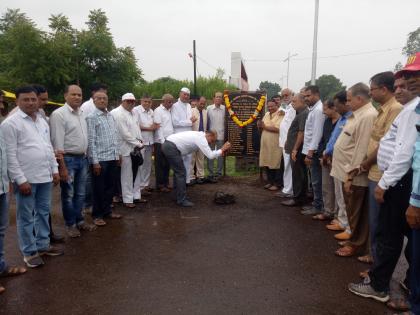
x: 308, y: 161
x: 193, y: 119
x: 347, y: 186
x: 259, y: 123
x: 379, y: 194
x: 119, y: 161
x: 413, y: 217
x: 156, y: 126
x: 226, y: 146
x: 96, y: 169
x: 64, y: 174
x: 354, y: 172
x: 25, y: 189
x: 324, y: 160
x: 294, y: 155
x: 56, y: 179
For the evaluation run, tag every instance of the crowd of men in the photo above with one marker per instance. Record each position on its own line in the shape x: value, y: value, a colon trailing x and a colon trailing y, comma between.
x: 358, y: 154
x: 98, y: 157
x: 352, y: 161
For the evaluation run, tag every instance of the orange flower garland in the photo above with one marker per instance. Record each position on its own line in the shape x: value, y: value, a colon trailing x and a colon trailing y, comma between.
x: 251, y: 118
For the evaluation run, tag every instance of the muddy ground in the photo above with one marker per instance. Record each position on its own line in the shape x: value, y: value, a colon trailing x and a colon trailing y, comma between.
x: 253, y: 257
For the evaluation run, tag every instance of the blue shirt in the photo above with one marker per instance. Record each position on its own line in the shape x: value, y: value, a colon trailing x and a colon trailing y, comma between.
x: 415, y: 194
x: 336, y: 133
x: 102, y: 137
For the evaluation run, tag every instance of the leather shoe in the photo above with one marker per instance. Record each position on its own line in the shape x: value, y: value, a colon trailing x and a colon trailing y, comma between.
x: 281, y: 194
x: 290, y: 203
x: 343, y: 236
x: 334, y: 227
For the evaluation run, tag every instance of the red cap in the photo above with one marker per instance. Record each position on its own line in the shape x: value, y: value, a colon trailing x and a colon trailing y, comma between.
x: 413, y: 64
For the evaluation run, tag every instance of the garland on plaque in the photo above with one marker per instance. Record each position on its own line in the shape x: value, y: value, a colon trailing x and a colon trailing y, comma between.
x: 251, y: 118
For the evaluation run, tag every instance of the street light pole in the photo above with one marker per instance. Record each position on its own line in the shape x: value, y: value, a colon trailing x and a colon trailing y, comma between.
x: 288, y: 65
x: 314, y: 49
x: 195, y: 68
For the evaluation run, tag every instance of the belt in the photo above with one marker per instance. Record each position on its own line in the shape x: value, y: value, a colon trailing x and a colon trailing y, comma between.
x: 75, y: 154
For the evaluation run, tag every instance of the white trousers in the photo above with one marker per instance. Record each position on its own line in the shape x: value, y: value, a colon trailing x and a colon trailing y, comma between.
x: 187, y: 164
x: 339, y: 199
x: 197, y: 160
x: 287, y: 175
x: 146, y: 167
x: 129, y: 191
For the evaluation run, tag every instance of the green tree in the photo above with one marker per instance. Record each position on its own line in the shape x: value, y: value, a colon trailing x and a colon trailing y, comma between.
x: 272, y: 89
x: 413, y: 43
x: 328, y: 85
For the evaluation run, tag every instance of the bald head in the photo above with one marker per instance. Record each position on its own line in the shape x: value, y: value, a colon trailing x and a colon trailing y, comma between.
x: 73, y: 96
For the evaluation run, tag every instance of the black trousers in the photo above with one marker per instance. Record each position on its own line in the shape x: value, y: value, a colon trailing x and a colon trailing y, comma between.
x: 161, y: 167
x: 103, y: 189
x: 273, y: 176
x: 299, y: 178
x: 391, y: 229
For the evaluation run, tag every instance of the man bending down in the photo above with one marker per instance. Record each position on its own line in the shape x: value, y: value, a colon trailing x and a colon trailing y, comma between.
x: 183, y: 143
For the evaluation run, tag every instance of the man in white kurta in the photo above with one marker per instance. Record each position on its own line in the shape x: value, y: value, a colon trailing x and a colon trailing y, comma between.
x: 289, y: 115
x: 129, y: 137
x: 144, y: 114
x: 182, y: 120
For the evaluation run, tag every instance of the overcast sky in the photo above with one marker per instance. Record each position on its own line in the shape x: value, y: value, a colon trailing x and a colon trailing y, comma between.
x: 161, y: 33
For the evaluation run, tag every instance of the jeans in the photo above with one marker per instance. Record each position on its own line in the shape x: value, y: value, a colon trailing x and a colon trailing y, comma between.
x: 87, y: 201
x: 374, y: 209
x: 174, y: 158
x: 32, y: 212
x: 316, y: 179
x: 391, y: 228
x: 103, y: 188
x: 73, y: 191
x: 4, y: 222
x: 210, y: 163
x: 161, y: 167
x: 415, y: 272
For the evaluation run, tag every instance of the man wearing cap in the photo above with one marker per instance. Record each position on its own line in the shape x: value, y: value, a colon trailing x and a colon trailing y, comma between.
x: 129, y: 138
x: 144, y: 114
x: 289, y: 115
x: 183, y: 143
x: 411, y: 73
x: 182, y: 120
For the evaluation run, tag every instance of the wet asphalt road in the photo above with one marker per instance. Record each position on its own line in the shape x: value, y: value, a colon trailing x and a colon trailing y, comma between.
x: 254, y: 257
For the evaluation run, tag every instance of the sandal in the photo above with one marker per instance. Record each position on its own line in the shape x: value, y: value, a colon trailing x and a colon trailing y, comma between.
x: 114, y: 216
x: 2, y: 289
x: 321, y: 217
x: 364, y: 274
x: 346, y: 251
x: 399, y: 304
x: 267, y: 186
x: 367, y: 259
x: 129, y: 205
x: 12, y: 271
x: 99, y: 222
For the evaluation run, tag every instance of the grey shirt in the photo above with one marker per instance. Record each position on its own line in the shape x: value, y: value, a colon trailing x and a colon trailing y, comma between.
x: 68, y: 130
x: 298, y: 124
x: 216, y: 120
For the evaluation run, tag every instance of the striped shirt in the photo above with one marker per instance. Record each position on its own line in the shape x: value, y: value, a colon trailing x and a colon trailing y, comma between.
x: 396, y: 148
x: 102, y: 137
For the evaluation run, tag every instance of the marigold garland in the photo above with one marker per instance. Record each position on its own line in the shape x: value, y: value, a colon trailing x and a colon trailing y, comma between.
x: 251, y: 118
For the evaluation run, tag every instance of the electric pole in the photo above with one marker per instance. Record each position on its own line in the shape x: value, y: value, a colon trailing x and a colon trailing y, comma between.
x: 314, y: 49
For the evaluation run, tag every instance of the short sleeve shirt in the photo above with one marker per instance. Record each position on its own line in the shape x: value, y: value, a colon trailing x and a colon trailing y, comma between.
x: 298, y: 124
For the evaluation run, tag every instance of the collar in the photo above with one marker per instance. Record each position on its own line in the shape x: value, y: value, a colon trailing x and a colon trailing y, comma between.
x: 71, y: 110
x: 99, y: 112
x: 319, y: 103
x: 179, y: 101
x: 387, y: 104
x: 301, y: 110
x: 362, y: 109
x: 22, y: 114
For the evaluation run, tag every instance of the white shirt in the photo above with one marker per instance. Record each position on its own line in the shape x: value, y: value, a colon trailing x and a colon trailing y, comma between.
x: 88, y: 107
x: 181, y: 116
x: 285, y: 123
x: 145, y: 119
x: 313, y: 128
x: 396, y: 148
x: 129, y: 132
x: 30, y: 156
x: 69, y: 130
x: 190, y: 141
x: 216, y: 120
x: 162, y: 116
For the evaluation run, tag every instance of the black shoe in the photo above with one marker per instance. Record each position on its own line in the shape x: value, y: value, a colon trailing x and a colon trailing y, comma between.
x: 57, y: 239
x: 290, y: 203
x: 51, y: 251
x: 199, y: 181
x: 185, y: 203
x: 191, y: 183
x: 212, y: 180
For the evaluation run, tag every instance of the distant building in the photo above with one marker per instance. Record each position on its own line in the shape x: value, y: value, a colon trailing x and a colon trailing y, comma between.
x: 238, y: 76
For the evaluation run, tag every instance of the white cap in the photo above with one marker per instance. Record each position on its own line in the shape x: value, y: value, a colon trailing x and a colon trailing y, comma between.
x: 185, y: 90
x: 129, y: 97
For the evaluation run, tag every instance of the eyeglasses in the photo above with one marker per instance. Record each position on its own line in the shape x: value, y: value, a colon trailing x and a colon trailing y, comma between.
x: 374, y: 88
